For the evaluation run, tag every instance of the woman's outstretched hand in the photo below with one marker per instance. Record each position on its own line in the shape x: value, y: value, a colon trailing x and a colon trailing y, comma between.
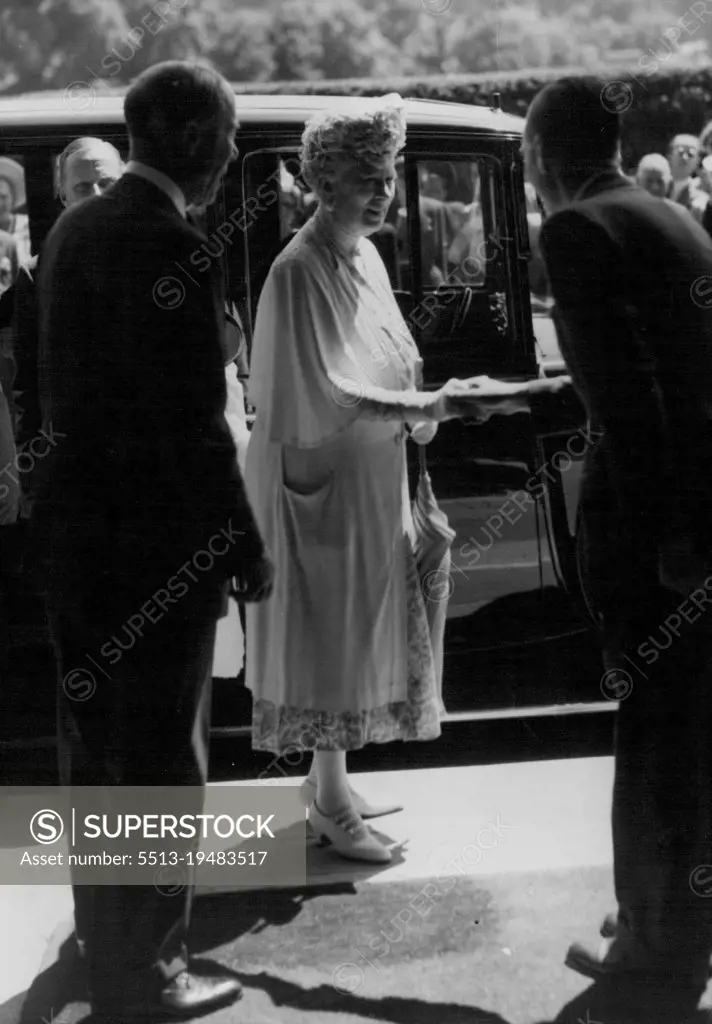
x: 479, y: 398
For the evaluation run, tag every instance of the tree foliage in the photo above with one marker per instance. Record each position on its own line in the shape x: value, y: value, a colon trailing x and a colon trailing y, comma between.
x: 48, y: 44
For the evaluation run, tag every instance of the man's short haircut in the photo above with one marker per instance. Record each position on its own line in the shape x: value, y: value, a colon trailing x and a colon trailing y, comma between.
x: 165, y: 98
x: 684, y: 140
x: 85, y: 144
x: 577, y: 128
x: 654, y: 161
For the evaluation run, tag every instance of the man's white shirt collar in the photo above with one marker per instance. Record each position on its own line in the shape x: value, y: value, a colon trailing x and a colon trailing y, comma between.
x: 160, y: 180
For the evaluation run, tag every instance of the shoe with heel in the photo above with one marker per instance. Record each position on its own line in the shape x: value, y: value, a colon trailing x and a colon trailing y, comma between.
x: 348, y: 834
x: 364, y: 808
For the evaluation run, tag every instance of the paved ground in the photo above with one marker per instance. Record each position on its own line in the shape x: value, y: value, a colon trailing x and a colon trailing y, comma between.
x: 533, y: 840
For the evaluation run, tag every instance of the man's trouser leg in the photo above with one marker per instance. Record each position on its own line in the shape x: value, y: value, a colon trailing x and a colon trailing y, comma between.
x: 146, y: 725
x: 662, y: 794
x: 662, y: 797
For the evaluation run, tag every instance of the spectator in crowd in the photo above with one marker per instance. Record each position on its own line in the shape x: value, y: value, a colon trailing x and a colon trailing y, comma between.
x: 639, y: 348
x: 86, y: 167
x: 468, y: 250
x: 706, y: 186
x: 684, y: 158
x: 654, y: 175
x: 705, y: 174
x: 8, y: 261
x: 8, y: 273
x: 9, y: 479
x: 12, y: 199
x: 705, y: 140
x: 433, y: 232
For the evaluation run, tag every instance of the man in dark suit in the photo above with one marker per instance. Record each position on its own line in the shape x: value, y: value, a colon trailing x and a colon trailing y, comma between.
x: 628, y: 276
x: 141, y: 513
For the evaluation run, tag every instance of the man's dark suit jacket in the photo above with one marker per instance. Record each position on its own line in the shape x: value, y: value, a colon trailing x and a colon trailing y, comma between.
x: 141, y: 471
x: 632, y: 282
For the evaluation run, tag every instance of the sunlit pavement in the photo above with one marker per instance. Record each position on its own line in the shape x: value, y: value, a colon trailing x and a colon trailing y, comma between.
x: 538, y: 836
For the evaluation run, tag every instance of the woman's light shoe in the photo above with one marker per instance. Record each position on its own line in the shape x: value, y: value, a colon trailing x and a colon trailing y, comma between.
x: 348, y: 834
x: 362, y: 807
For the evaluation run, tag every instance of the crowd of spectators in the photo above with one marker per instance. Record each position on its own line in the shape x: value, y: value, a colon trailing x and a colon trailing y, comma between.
x: 683, y: 176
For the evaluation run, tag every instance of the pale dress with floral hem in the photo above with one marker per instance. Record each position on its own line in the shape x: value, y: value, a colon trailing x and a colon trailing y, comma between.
x: 340, y: 655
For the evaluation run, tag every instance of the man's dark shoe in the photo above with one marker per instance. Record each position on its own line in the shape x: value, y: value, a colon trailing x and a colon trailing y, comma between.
x: 187, y: 995
x: 191, y: 994
x: 609, y: 930
x: 623, y: 957
x: 610, y: 958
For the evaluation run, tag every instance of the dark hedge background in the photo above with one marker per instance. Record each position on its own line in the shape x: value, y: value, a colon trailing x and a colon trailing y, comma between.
x: 656, y: 106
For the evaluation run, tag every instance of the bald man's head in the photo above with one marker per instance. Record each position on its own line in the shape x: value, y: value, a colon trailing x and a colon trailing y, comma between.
x: 87, y: 167
x: 654, y: 175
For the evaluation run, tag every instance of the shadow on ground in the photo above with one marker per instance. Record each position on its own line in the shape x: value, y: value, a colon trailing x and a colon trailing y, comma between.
x: 238, y: 930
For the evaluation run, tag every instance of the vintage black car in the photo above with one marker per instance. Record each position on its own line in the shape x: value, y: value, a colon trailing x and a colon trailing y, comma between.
x: 457, y: 247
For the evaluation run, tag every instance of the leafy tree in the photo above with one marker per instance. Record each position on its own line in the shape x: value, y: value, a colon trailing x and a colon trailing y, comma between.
x: 46, y: 44
x: 352, y: 44
x: 237, y: 41
x: 398, y: 20
x: 50, y: 44
x: 295, y: 39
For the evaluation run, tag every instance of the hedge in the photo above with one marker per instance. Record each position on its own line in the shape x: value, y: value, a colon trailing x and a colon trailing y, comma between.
x: 657, y: 106
x: 654, y: 107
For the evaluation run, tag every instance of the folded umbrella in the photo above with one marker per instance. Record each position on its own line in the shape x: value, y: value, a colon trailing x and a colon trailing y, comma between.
x: 433, y: 537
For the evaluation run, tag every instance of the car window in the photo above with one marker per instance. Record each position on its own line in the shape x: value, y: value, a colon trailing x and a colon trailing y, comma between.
x: 460, y: 258
x: 451, y: 222
x: 277, y: 202
x: 458, y: 221
x: 455, y: 283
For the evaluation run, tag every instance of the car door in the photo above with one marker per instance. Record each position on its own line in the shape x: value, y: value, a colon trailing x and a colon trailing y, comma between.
x: 513, y: 636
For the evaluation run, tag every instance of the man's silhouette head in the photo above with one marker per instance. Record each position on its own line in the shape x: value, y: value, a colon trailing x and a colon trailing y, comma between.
x: 571, y: 135
x: 182, y: 121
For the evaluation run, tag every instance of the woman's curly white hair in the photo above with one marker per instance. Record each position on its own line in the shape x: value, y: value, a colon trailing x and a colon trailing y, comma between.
x: 331, y: 139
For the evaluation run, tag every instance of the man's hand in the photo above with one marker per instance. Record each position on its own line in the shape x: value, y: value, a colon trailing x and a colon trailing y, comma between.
x: 549, y: 385
x: 255, y: 582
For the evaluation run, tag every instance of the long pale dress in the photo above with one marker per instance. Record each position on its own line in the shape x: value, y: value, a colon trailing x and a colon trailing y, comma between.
x: 340, y: 655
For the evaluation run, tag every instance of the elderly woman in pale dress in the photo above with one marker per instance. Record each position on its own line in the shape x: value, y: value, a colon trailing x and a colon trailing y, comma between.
x: 340, y: 655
